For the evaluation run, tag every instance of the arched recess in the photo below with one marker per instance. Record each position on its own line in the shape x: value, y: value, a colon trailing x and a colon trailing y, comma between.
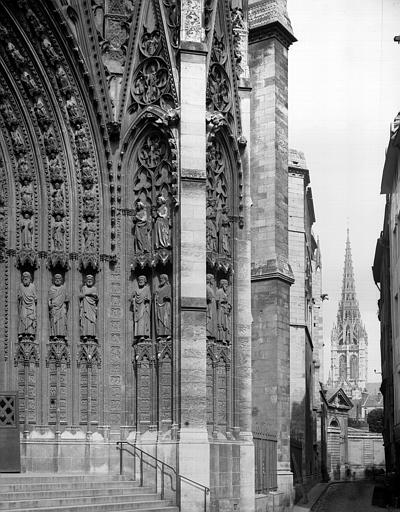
x: 342, y: 367
x: 62, y: 211
x: 222, y: 190
x: 354, y: 367
x: 148, y: 227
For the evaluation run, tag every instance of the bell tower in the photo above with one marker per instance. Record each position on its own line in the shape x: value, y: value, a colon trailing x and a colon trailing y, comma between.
x: 349, y: 340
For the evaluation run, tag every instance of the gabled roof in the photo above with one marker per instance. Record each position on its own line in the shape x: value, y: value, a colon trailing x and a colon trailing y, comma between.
x: 337, y: 399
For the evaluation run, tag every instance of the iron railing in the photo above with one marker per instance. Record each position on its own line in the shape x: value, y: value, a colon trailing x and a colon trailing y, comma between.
x: 265, y: 448
x: 162, y: 470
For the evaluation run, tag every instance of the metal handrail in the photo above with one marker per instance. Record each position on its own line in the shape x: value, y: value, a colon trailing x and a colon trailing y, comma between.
x: 122, y: 446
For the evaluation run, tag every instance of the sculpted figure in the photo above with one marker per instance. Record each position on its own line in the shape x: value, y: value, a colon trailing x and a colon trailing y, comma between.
x: 49, y: 51
x: 211, y: 228
x: 26, y: 227
x: 58, y: 196
x: 211, y: 307
x: 162, y: 232
x: 26, y: 193
x: 89, y: 235
x: 15, y: 54
x: 162, y: 301
x: 88, y: 307
x: 224, y: 312
x: 62, y: 79
x: 27, y: 300
x: 58, y: 307
x: 58, y: 233
x: 141, y: 300
x: 141, y: 228
x: 29, y: 83
x: 224, y: 232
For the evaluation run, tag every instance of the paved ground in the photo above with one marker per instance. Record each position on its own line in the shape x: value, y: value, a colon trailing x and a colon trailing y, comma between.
x: 347, y: 497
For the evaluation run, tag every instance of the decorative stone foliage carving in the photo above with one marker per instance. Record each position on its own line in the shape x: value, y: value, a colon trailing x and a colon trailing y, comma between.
x: 191, y: 22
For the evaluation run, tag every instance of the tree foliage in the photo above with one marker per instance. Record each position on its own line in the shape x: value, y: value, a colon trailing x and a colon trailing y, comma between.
x: 375, y: 420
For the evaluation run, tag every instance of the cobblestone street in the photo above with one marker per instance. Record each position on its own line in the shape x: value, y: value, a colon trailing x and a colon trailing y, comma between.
x: 348, y: 497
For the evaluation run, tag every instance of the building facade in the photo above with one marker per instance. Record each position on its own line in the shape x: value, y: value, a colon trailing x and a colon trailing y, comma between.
x: 385, y: 274
x: 349, y: 340
x: 130, y: 280
x: 306, y: 337
x: 125, y: 236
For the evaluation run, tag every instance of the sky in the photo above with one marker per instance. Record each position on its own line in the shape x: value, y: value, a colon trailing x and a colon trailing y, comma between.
x: 344, y: 91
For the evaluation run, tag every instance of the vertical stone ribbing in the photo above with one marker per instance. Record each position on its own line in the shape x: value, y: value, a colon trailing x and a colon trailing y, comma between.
x: 193, y: 447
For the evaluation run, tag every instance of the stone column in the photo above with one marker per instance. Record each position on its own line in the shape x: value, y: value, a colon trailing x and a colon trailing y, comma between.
x: 194, y: 451
x: 269, y: 39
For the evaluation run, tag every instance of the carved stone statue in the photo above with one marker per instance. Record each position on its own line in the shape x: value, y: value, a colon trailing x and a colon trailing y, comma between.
x: 141, y: 301
x: 224, y: 232
x: 26, y: 227
x: 141, y: 228
x: 58, y: 307
x: 162, y: 302
x: 88, y: 307
x: 26, y: 191
x: 224, y: 308
x: 58, y: 233
x: 211, y: 307
x: 58, y: 197
x: 89, y: 235
x: 15, y: 54
x: 211, y: 228
x: 27, y: 300
x: 49, y: 51
x: 162, y: 230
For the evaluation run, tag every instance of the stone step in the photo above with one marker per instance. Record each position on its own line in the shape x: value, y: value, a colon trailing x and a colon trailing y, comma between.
x: 101, y: 502
x: 6, y: 478
x: 119, y: 507
x: 65, y: 484
x: 25, y: 493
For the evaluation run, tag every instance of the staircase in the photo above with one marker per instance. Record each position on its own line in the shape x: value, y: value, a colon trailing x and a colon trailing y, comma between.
x: 35, y: 492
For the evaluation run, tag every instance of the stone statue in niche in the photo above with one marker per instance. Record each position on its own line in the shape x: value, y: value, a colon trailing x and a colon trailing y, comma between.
x: 162, y: 300
x: 49, y: 51
x: 42, y: 116
x: 58, y: 233
x: 26, y: 227
x: 26, y: 191
x: 89, y: 198
x: 88, y: 307
x: 224, y: 308
x: 211, y: 307
x: 58, y: 307
x: 211, y: 228
x: 224, y: 224
x: 141, y: 302
x: 17, y: 142
x: 27, y: 300
x: 15, y: 54
x: 89, y: 234
x: 58, y: 197
x: 141, y: 228
x: 162, y: 229
x: 30, y: 84
x: 62, y: 79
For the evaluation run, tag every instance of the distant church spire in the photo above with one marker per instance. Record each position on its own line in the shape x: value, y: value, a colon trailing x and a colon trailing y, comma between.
x: 349, y: 339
